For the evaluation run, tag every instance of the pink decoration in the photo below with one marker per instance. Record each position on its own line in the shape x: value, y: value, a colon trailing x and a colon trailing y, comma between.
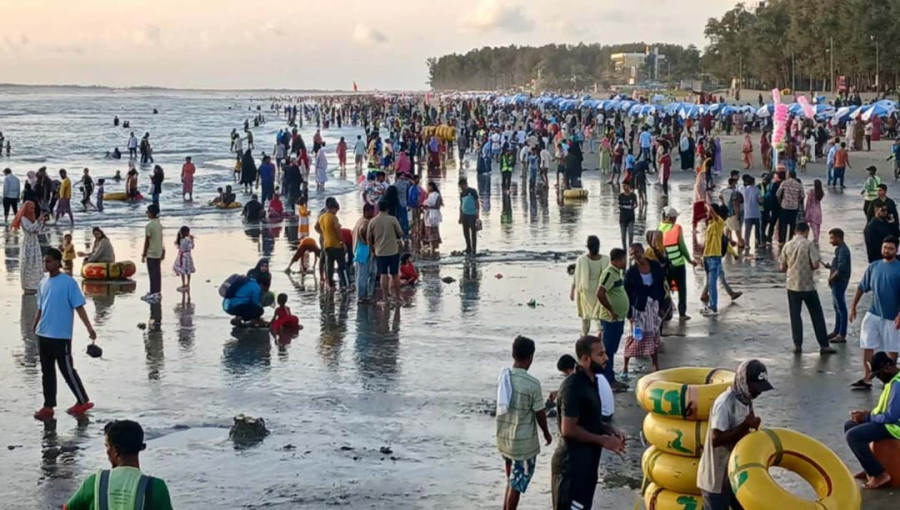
x: 808, y: 111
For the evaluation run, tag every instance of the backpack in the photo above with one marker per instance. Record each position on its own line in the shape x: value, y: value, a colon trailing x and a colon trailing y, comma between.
x: 231, y: 285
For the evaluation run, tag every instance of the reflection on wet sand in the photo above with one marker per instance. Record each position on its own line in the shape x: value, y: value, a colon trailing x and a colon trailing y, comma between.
x: 103, y: 294
x: 333, y: 327
x: 247, y: 352
x: 377, y: 343
x: 470, y: 288
x: 30, y: 355
x: 185, y: 312
x: 153, y: 343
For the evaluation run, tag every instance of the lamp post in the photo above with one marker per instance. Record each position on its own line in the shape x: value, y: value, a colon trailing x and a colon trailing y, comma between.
x: 877, y: 63
x: 830, y: 52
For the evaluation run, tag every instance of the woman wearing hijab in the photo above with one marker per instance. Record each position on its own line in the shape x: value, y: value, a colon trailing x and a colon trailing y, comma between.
x: 588, y: 269
x: 605, y: 155
x: 263, y: 277
x: 649, y: 303
x: 102, y: 251
x: 686, y: 152
x: 248, y: 171
x: 28, y: 193
x: 392, y: 199
x: 31, y: 266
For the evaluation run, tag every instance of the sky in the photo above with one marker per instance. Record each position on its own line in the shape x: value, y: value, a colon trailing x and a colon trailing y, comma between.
x: 301, y: 44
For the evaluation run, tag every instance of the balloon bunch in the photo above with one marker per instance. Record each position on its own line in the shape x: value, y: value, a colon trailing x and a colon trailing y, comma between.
x: 808, y: 111
x: 779, y: 119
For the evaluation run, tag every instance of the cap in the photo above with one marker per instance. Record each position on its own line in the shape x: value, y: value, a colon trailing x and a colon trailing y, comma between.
x: 871, y: 169
x: 879, y: 361
x: 670, y: 212
x: 758, y: 376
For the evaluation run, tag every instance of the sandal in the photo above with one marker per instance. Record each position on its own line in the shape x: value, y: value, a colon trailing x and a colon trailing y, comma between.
x: 861, y: 385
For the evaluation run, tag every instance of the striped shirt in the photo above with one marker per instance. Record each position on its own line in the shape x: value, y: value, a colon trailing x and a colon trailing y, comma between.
x: 517, y: 430
x: 790, y: 193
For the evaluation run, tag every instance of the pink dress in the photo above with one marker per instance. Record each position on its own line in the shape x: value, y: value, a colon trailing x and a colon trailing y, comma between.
x: 813, y: 208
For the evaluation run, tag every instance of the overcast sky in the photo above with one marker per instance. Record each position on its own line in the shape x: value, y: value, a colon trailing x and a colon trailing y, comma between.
x: 304, y: 44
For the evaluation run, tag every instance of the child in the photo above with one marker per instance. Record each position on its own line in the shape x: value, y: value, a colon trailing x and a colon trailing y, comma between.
x: 100, y: 194
x: 283, y: 319
x: 304, y: 213
x: 629, y: 165
x: 408, y: 273
x: 237, y: 169
x: 566, y: 365
x: 184, y: 262
x: 218, y: 199
x: 68, y: 251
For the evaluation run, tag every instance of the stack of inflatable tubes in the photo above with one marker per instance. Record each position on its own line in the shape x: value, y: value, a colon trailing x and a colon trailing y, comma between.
x: 678, y: 402
x: 748, y: 471
x: 443, y: 132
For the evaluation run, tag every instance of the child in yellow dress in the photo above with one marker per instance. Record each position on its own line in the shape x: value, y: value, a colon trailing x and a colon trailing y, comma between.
x: 68, y: 251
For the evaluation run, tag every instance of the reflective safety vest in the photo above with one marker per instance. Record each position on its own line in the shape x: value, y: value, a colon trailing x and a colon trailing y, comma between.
x: 672, y: 243
x: 893, y: 428
x: 126, y: 490
x: 870, y: 188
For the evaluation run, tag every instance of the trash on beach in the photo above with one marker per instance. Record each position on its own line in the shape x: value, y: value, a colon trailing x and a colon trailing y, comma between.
x: 498, y: 276
x: 247, y: 430
x: 142, y: 325
x: 532, y: 303
x: 448, y: 279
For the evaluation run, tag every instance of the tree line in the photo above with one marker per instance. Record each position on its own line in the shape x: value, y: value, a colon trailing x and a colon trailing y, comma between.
x: 784, y: 44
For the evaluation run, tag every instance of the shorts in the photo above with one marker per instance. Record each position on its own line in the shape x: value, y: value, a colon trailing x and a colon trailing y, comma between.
x: 519, y: 473
x: 359, y: 158
x: 733, y: 224
x: 388, y: 265
x: 879, y: 334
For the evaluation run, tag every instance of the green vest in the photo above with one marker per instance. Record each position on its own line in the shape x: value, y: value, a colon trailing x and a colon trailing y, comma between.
x: 123, y: 488
x: 871, y: 188
x: 893, y: 428
x: 672, y: 243
x: 506, y: 164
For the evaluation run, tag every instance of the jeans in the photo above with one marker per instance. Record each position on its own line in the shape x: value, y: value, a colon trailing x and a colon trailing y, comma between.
x: 155, y: 197
x: 365, y: 279
x: 469, y: 233
x: 612, y: 334
x: 506, y: 179
x: 679, y: 274
x: 627, y: 230
x: 830, y: 173
x: 10, y: 203
x: 713, y: 267
x: 155, y: 272
x: 403, y: 218
x: 839, y: 297
x: 246, y: 311
x: 723, y: 500
x: 336, y: 256
x: 859, y: 435
x: 796, y: 299
x: 787, y: 220
x: 268, y: 191
x: 839, y: 176
x: 58, y: 351
x: 770, y: 217
x: 749, y: 225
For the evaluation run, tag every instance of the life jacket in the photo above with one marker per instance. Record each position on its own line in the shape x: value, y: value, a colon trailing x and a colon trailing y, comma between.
x: 672, y: 244
x: 893, y: 428
x: 131, y: 489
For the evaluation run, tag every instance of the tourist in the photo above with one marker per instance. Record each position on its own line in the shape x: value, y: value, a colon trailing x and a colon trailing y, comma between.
x: 87, y: 189
x: 799, y: 259
x: 830, y: 159
x: 409, y: 275
x: 30, y: 261
x: 583, y: 432
x: 102, y: 250
x: 359, y: 152
x: 880, y: 328
x: 865, y: 428
x: 469, y: 210
x: 253, y: 211
x: 882, y: 199
x: 153, y: 254
x: 520, y: 411
x: 341, y: 151
x: 790, y: 201
x: 284, y: 321
x: 876, y: 231
x: 870, y: 191
x: 184, y: 262
x: 648, y: 304
x: 433, y: 217
x: 11, y: 194
x: 245, y: 304
x: 363, y: 259
x: 614, y: 308
x: 383, y: 234
x: 64, y: 205
x: 747, y: 151
x: 126, y: 486
x: 751, y: 201
x: 248, y: 171
x: 665, y: 169
x: 321, y: 167
x: 627, y: 205
x: 187, y: 179
x: 59, y: 296
x: 838, y: 280
x: 586, y: 283
x: 265, y: 179
x: 814, y: 209
x: 156, y: 181
x: 841, y: 164
x: 713, y: 251
x: 678, y: 255
x: 732, y: 417
x: 329, y: 228
x: 132, y: 146
x: 307, y: 245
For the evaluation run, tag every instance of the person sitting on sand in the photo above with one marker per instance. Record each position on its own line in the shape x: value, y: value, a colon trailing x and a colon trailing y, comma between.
x: 881, y: 424
x: 284, y: 320
x: 102, y: 250
x: 116, y: 154
x: 408, y: 273
x: 276, y: 208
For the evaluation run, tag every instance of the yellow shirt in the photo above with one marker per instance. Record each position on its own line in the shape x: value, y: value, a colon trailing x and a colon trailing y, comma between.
x: 330, y: 229
x: 65, y: 188
x: 68, y: 251
x: 715, y: 229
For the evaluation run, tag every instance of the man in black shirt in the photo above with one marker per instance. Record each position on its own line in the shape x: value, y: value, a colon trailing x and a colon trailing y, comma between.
x: 253, y: 210
x: 583, y: 432
x: 876, y: 231
x: 627, y: 205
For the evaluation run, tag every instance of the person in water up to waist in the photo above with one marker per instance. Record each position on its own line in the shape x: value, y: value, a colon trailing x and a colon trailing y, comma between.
x: 882, y: 423
x: 123, y: 487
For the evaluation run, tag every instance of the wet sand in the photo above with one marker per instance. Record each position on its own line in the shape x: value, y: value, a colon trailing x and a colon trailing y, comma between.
x: 419, y: 380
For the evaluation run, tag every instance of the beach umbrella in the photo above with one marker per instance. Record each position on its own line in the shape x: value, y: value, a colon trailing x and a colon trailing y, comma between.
x: 765, y: 111
x: 626, y: 105
x: 881, y: 109
x: 635, y: 110
x: 647, y: 110
x: 672, y: 108
x: 658, y: 98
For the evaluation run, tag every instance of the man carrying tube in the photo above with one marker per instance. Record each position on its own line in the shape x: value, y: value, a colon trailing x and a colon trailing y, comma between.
x: 882, y: 423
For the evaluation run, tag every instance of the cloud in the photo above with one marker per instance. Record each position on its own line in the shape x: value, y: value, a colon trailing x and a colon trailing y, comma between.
x: 490, y: 15
x: 368, y: 35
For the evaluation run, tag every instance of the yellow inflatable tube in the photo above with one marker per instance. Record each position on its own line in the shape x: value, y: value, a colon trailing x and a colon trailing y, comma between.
x: 675, y: 436
x: 748, y: 471
x: 230, y: 205
x: 657, y: 498
x: 671, y: 472
x: 687, y: 393
x: 575, y: 193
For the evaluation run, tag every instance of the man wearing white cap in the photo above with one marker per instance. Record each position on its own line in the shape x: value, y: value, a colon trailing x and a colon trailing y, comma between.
x: 677, y: 251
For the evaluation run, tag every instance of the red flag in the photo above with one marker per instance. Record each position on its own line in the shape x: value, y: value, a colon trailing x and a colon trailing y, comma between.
x: 355, y: 88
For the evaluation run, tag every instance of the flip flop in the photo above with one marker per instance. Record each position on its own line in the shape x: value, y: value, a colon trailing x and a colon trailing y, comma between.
x: 861, y: 385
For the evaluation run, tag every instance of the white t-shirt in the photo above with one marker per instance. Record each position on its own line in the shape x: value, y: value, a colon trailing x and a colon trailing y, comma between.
x: 727, y: 413
x: 607, y: 401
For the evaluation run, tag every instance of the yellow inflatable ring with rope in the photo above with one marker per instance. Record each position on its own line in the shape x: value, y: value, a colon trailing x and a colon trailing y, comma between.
x: 671, y: 472
x: 748, y: 471
x: 674, y: 435
x: 686, y: 393
x: 657, y: 498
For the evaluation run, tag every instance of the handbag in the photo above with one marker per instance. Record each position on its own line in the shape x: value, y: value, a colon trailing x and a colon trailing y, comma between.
x: 361, y: 253
x: 478, y: 225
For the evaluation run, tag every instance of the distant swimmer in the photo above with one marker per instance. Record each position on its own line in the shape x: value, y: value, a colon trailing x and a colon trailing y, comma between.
x: 155, y: 111
x: 118, y: 176
x: 116, y: 120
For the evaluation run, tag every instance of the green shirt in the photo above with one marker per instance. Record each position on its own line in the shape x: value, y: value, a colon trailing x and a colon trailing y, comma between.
x: 517, y: 430
x: 120, y: 481
x: 154, y: 232
x: 612, y: 280
x: 870, y: 188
